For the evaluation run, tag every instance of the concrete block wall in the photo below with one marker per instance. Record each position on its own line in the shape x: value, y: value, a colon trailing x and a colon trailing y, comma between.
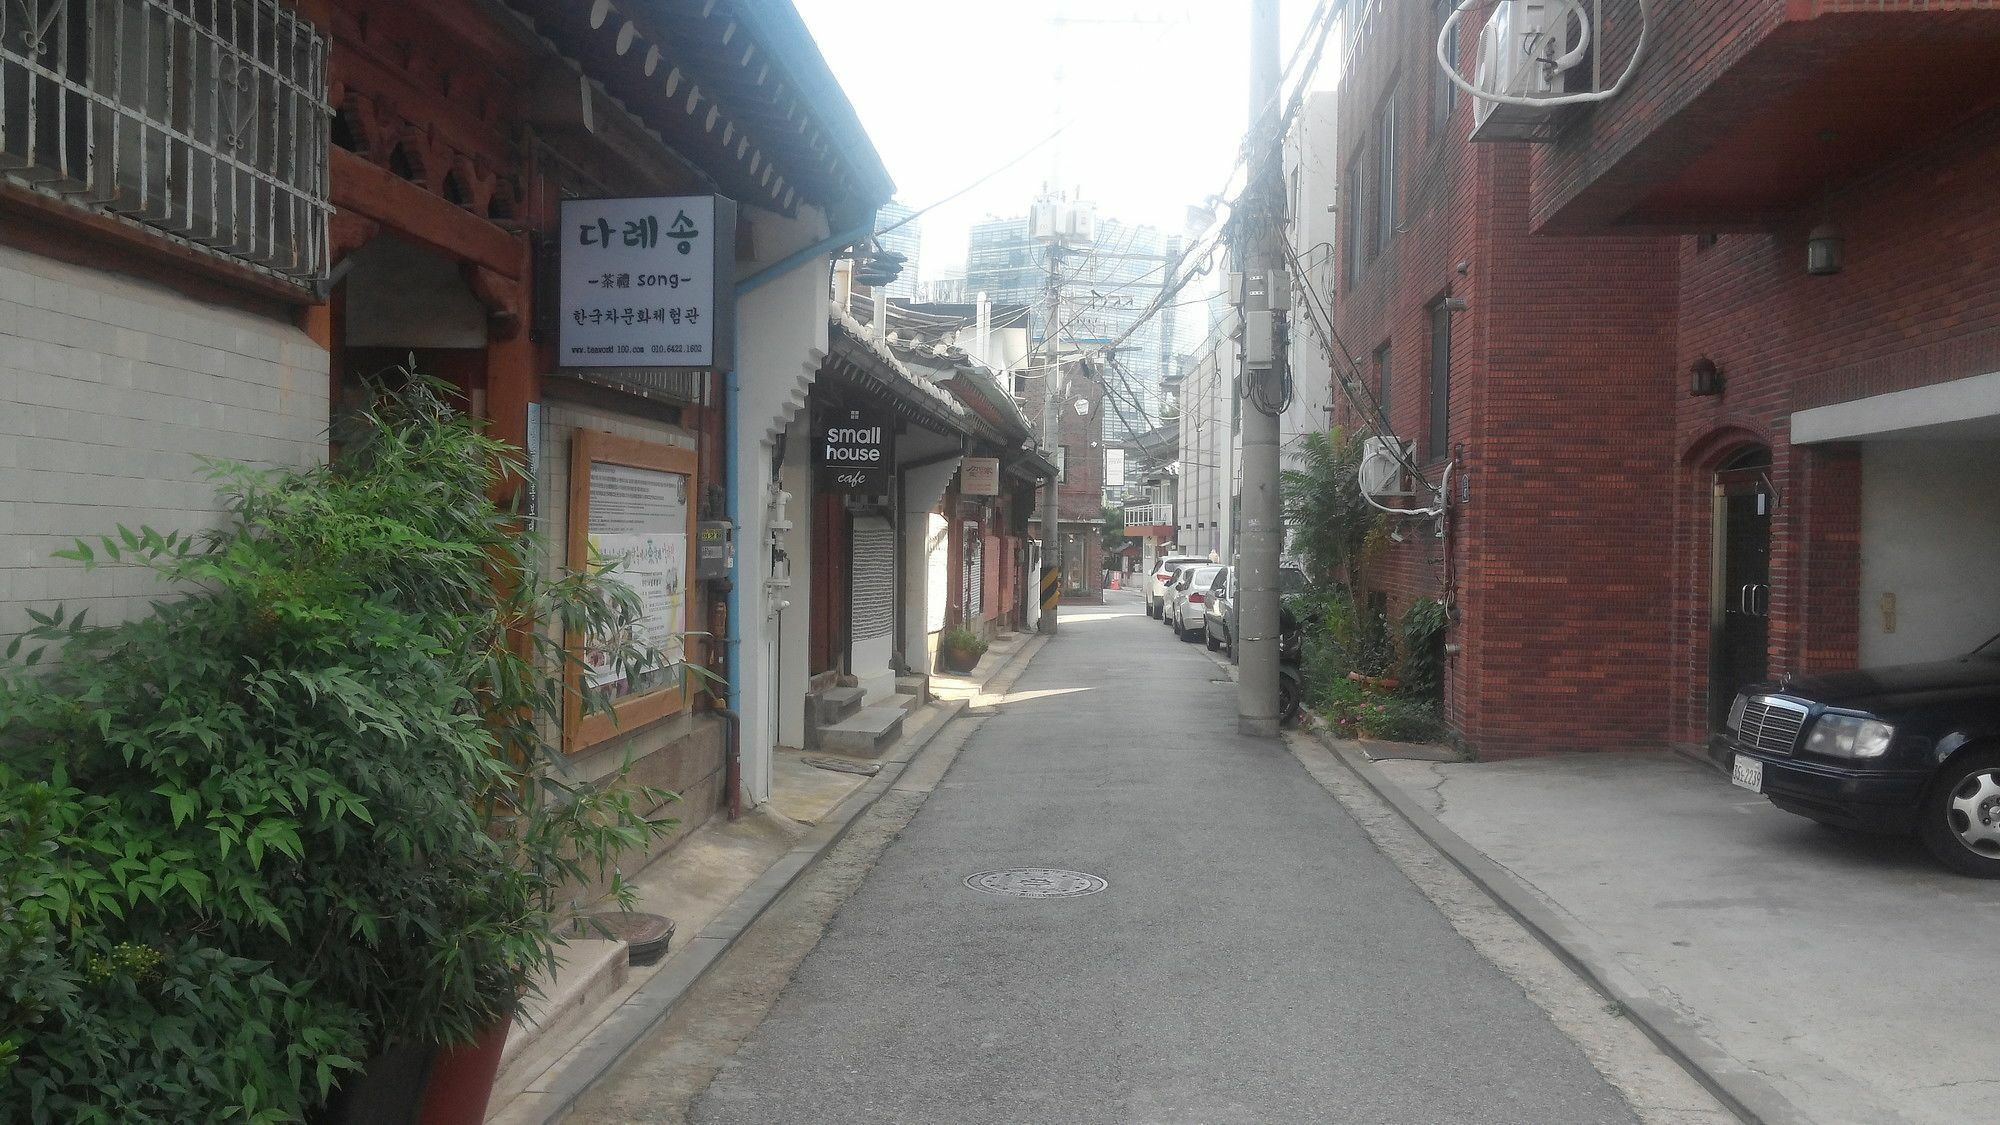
x: 111, y: 392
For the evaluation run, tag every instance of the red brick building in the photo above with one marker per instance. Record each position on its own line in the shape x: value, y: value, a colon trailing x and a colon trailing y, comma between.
x: 1625, y: 547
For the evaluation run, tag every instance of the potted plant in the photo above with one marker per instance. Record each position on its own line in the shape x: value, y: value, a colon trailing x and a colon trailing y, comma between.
x: 959, y: 649
x: 303, y: 815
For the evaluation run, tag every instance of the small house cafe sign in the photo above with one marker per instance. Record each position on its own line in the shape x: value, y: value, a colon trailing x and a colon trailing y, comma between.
x: 853, y: 453
x: 640, y: 282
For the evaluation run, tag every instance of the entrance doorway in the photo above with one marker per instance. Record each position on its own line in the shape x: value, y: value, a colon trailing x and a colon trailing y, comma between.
x: 1739, y: 598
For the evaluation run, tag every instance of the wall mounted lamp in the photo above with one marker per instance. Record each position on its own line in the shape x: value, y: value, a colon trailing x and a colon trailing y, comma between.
x: 1824, y: 250
x: 1705, y: 378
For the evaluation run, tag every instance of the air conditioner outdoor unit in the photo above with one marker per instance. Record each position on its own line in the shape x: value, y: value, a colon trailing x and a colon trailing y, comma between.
x: 1526, y: 50
x: 1382, y: 473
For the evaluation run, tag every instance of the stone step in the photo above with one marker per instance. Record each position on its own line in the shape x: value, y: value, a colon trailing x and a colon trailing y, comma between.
x: 867, y: 733
x: 591, y: 970
x: 911, y: 685
x: 835, y: 704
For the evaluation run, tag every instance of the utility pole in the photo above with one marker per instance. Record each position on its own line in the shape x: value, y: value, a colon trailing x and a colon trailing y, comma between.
x: 1052, y: 386
x: 1261, y: 298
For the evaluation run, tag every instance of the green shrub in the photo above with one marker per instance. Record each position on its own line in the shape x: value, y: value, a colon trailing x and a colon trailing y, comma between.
x: 1423, y: 630
x: 960, y: 639
x: 304, y: 811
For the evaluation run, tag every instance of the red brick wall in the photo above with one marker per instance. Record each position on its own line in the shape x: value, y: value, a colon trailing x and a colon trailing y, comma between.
x: 1689, y: 45
x: 1561, y: 392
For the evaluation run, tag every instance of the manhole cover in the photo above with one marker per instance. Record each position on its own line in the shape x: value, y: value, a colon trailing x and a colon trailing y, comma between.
x: 1036, y: 882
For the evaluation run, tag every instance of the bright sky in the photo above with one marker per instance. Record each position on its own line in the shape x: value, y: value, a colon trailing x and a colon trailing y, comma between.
x: 1155, y: 93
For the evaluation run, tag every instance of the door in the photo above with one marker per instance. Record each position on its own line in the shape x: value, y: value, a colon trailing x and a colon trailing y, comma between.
x: 1739, y: 581
x: 827, y: 642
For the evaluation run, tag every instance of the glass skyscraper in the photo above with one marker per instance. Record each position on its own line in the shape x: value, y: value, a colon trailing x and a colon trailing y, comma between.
x: 1105, y: 290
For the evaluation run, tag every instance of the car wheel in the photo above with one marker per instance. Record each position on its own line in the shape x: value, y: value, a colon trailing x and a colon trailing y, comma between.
x: 1208, y: 639
x: 1960, y: 817
x: 1191, y: 634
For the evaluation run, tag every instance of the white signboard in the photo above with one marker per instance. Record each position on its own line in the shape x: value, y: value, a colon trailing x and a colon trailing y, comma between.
x: 638, y: 520
x: 979, y: 476
x: 639, y: 282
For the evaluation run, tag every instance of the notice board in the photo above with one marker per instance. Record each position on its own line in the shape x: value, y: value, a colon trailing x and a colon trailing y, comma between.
x: 631, y: 508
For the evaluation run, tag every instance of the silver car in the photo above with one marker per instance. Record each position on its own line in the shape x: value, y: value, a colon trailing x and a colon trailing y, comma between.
x: 1219, y: 621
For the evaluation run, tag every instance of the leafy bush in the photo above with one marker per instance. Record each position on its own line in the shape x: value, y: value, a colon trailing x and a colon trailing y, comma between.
x: 1331, y: 528
x: 1356, y: 712
x: 960, y: 639
x: 304, y: 811
x: 1423, y: 629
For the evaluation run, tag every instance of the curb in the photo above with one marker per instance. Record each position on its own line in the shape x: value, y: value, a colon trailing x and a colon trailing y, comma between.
x: 1743, y: 1091
x: 611, y: 1040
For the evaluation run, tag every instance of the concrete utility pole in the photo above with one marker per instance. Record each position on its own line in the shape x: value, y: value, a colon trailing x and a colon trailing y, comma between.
x: 1265, y: 291
x: 1052, y: 386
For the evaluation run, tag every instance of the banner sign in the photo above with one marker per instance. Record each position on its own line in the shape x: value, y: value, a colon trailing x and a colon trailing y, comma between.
x: 979, y: 476
x: 644, y: 282
x: 853, y: 452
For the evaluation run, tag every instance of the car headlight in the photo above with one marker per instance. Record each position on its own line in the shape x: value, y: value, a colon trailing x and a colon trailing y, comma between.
x: 1850, y: 736
x: 1736, y: 710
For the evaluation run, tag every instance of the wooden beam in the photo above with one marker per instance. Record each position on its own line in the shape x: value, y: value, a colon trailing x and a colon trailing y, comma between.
x: 422, y: 218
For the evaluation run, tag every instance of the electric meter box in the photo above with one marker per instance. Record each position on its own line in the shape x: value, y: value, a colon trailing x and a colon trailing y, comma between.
x: 714, y: 549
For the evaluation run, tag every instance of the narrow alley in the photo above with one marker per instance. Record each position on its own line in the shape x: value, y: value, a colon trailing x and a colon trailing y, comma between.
x: 1251, y: 957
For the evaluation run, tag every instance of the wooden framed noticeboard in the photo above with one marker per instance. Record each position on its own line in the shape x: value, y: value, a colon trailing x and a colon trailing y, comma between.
x: 632, y: 502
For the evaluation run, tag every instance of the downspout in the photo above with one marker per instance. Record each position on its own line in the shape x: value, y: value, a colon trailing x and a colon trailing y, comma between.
x: 731, y: 477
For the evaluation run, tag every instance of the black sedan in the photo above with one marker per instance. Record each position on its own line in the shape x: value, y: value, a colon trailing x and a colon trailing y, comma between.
x: 1909, y: 748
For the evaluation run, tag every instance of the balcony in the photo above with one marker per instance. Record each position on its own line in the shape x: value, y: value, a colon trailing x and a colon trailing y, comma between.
x: 1149, y: 521
x: 1747, y: 111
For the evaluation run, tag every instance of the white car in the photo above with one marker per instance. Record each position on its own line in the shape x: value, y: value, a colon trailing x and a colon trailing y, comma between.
x: 1164, y: 573
x: 1192, y: 590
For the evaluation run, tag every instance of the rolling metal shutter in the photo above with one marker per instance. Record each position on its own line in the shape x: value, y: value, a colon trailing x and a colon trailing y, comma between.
x: 872, y: 584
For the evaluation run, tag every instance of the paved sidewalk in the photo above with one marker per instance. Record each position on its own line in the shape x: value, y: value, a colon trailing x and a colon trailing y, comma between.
x: 1846, y: 971
x: 1254, y: 959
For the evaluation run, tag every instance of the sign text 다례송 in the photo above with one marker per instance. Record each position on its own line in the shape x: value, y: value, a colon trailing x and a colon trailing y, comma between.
x: 642, y: 282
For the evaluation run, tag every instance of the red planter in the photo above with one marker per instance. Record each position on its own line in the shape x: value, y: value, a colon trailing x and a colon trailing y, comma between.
x: 461, y: 1080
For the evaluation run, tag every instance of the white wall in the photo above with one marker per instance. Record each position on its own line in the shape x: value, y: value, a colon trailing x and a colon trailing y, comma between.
x: 110, y: 389
x: 1930, y: 534
x: 794, y: 636
x: 781, y: 333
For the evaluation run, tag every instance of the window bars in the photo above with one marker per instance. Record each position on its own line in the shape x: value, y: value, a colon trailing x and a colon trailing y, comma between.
x: 206, y: 119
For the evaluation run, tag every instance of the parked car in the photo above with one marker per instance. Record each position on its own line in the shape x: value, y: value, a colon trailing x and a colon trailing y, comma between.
x: 1220, y: 623
x: 1193, y: 590
x: 1909, y: 748
x: 1164, y: 573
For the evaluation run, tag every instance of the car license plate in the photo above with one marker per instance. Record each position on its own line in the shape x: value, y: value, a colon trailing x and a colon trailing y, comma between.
x: 1749, y: 773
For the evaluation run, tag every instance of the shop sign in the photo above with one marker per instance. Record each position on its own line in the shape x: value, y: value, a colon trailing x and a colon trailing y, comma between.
x: 979, y: 476
x: 644, y: 282
x: 853, y: 452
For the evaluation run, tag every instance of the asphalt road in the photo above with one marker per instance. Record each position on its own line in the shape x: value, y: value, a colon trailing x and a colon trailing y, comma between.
x: 1253, y: 959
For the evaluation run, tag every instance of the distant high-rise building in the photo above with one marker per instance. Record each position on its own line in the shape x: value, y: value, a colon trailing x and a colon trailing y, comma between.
x: 1106, y: 288
x: 907, y: 240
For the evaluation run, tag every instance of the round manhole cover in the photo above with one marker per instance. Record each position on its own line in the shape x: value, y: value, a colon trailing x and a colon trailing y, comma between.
x: 1036, y: 882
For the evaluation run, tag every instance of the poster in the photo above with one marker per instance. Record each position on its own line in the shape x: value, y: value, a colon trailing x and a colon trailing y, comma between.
x: 638, y: 525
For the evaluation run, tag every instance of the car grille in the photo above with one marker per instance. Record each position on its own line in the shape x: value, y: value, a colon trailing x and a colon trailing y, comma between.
x: 1771, y: 725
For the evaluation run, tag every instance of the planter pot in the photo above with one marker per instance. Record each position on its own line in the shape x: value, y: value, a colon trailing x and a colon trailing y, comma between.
x: 420, y: 1084
x: 461, y: 1081
x: 958, y: 660
x: 387, y: 1091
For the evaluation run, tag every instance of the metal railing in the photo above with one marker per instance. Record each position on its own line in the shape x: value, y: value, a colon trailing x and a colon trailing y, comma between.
x: 1137, y: 514
x: 206, y: 119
